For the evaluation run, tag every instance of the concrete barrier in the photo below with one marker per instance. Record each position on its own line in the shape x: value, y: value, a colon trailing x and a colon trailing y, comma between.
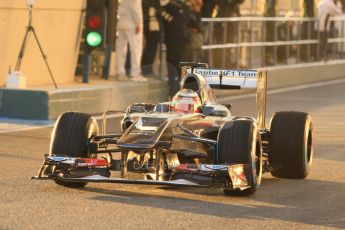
x: 94, y: 98
x: 284, y: 76
x: 297, y: 74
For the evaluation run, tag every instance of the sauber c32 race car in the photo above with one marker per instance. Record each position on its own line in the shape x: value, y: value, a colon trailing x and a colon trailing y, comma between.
x: 191, y: 141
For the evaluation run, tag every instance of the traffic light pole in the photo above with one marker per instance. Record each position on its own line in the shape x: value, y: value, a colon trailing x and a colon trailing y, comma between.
x: 86, y: 65
x: 100, y: 32
x: 107, y: 61
x: 111, y: 24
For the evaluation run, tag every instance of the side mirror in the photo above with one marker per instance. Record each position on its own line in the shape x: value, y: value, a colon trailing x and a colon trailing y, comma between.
x: 228, y: 106
x: 140, y: 108
x: 162, y: 107
x: 207, y: 110
x: 137, y: 109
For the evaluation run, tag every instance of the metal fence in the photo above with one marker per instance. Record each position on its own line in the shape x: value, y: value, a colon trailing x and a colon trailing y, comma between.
x: 251, y: 42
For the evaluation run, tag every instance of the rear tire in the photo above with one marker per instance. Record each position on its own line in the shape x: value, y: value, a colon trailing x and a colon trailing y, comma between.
x: 291, y: 144
x: 70, y: 137
x: 239, y: 143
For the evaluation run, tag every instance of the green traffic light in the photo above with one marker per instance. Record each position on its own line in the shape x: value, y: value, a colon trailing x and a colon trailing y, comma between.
x: 93, y: 39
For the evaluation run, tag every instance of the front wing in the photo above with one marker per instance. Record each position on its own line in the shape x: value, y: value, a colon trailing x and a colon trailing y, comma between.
x: 234, y: 176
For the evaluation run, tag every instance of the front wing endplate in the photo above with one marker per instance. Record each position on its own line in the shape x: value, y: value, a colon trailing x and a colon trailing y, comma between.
x: 101, y: 179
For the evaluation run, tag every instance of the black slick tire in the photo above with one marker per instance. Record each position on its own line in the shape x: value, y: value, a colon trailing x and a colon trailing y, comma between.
x: 70, y: 137
x: 291, y: 144
x: 239, y: 143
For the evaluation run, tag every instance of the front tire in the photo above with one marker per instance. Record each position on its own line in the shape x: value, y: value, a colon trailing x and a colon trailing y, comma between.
x: 239, y: 143
x: 291, y: 144
x: 70, y: 137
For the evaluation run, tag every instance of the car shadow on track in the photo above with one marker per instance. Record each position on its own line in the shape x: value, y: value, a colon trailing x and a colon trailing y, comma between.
x: 303, y: 201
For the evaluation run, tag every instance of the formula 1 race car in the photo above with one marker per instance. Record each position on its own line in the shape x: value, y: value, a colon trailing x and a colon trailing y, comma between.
x: 191, y: 141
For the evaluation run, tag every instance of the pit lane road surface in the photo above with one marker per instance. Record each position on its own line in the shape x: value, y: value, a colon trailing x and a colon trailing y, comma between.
x: 317, y: 202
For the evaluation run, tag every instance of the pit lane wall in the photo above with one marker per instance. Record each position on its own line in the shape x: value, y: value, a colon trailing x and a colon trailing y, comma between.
x: 44, y: 104
x: 57, y: 24
x: 298, y: 74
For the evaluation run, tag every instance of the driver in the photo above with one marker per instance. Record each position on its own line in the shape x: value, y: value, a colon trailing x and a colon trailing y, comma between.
x: 186, y: 101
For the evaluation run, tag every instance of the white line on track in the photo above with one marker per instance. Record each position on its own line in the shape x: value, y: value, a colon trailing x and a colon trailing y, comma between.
x: 9, y: 126
x: 17, y: 125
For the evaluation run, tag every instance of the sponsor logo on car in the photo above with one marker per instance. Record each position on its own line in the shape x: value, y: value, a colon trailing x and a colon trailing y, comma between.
x: 226, y: 73
x: 89, y: 162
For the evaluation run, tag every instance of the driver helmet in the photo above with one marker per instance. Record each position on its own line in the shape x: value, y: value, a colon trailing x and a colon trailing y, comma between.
x: 186, y: 101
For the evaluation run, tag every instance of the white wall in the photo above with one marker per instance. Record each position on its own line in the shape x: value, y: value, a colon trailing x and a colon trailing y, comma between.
x: 257, y: 7
x: 57, y: 24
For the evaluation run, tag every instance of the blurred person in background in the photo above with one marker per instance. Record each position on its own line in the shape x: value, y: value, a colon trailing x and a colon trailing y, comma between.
x: 176, y: 38
x: 207, y: 11
x: 208, y: 8
x: 130, y: 33
x: 152, y: 34
x: 285, y: 33
x: 270, y: 11
x: 308, y: 51
x: 193, y: 52
x: 225, y: 9
x: 326, y: 9
x: 340, y: 29
x: 228, y: 8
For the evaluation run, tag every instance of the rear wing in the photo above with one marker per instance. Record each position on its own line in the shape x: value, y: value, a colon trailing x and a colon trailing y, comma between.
x: 229, y: 79
x: 233, y: 79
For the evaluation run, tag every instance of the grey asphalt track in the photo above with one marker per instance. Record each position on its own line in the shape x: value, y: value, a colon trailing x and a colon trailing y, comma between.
x: 314, y: 203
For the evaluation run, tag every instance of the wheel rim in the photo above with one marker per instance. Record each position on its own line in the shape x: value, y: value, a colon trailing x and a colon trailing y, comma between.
x: 309, y: 148
x: 258, y: 163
